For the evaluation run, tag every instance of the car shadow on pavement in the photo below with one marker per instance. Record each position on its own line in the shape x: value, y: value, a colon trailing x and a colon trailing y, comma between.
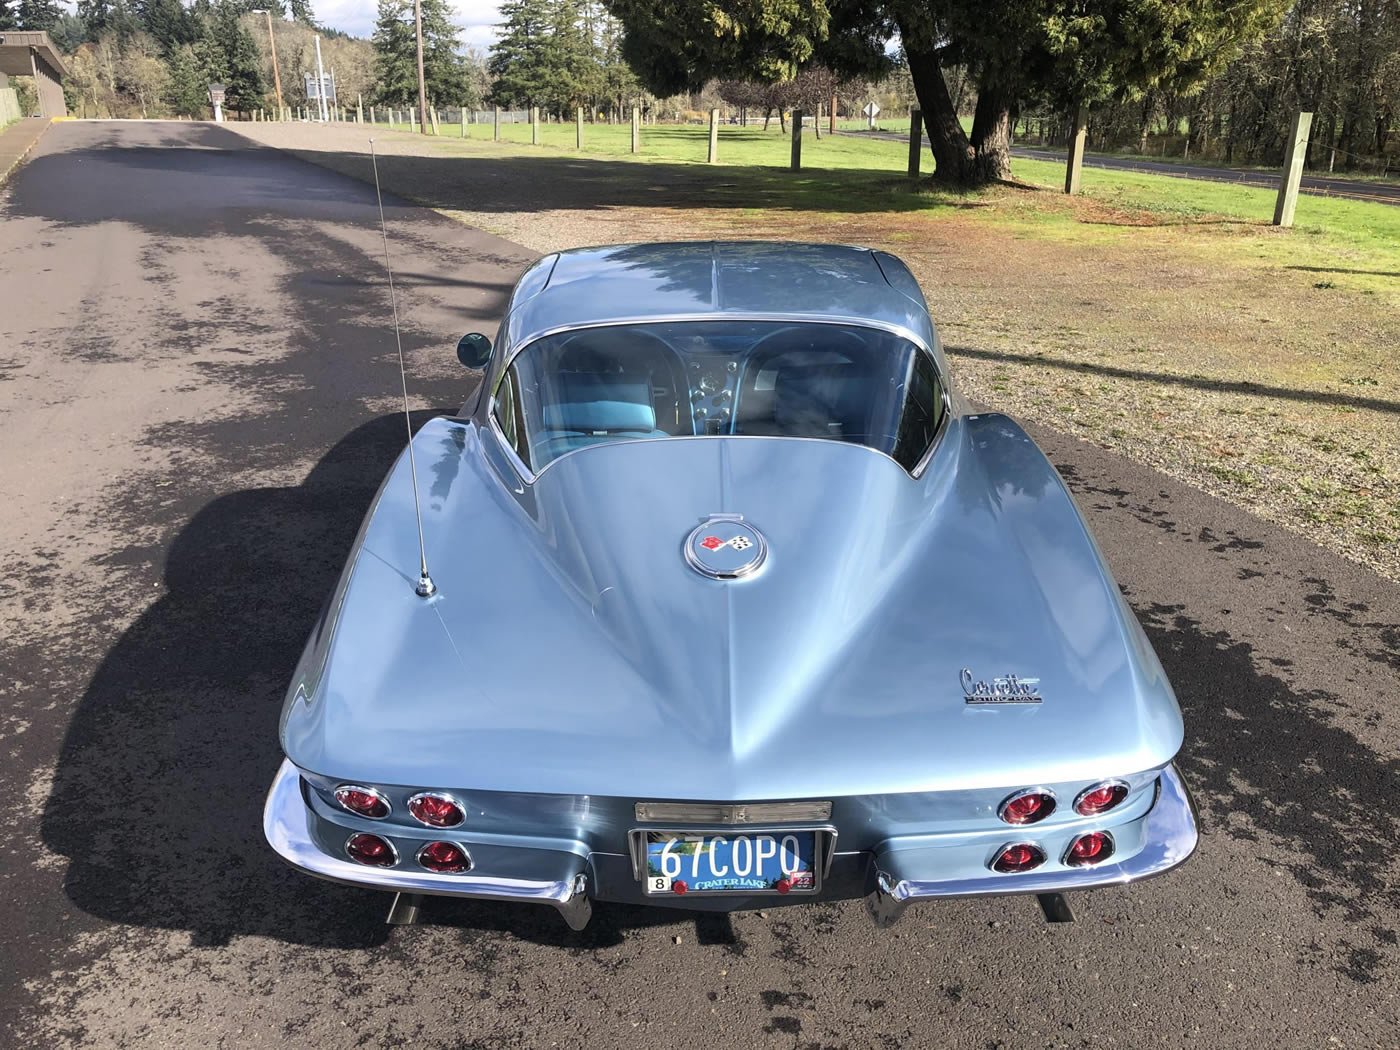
x: 157, y: 798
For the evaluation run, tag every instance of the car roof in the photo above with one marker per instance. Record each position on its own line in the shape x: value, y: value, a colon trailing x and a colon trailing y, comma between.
x: 749, y: 279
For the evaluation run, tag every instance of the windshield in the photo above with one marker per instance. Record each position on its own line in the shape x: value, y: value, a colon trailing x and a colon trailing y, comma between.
x: 697, y: 378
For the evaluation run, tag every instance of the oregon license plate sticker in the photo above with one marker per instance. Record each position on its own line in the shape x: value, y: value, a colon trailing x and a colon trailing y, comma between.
x: 759, y: 862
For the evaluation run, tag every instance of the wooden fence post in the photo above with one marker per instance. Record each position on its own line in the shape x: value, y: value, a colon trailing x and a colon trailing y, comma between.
x: 1292, y: 169
x: 636, y: 129
x: 464, y: 120
x: 797, y: 140
x: 578, y: 127
x: 535, y: 125
x: 496, y: 124
x: 916, y: 141
x: 832, y: 125
x: 1075, y: 162
x: 714, y: 136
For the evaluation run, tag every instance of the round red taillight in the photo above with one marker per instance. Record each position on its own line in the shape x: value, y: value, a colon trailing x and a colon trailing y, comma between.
x: 1027, y: 807
x: 371, y: 850
x: 436, y: 810
x: 1020, y: 856
x: 1093, y: 848
x: 679, y: 886
x: 1100, y: 798
x: 444, y: 856
x: 362, y: 801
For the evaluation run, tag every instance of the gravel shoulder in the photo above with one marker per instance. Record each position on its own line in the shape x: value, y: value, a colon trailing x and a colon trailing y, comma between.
x: 1270, y: 385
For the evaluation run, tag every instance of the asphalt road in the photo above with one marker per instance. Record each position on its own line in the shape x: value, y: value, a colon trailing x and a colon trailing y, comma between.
x: 196, y: 404
x: 1318, y: 185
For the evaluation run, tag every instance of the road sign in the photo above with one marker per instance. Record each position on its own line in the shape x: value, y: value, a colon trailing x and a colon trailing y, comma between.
x: 216, y: 94
x: 314, y: 88
x: 871, y: 110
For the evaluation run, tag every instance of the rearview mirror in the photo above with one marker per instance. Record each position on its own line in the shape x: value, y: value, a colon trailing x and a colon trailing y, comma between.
x: 474, y: 350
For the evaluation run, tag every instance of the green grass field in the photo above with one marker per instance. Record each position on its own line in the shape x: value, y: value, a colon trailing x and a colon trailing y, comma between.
x: 1357, y: 236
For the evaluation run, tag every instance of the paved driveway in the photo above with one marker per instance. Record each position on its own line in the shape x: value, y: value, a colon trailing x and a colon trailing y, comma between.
x: 196, y: 404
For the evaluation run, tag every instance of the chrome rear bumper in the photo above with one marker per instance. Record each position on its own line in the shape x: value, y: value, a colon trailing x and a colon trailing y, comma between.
x: 1169, y: 837
x: 286, y: 823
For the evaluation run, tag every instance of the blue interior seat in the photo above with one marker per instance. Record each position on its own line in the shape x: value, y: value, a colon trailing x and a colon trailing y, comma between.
x: 585, y: 408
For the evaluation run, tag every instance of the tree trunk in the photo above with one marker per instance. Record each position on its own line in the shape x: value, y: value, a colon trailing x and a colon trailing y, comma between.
x: 953, y: 155
x: 782, y: 120
x: 991, y: 133
x: 767, y: 116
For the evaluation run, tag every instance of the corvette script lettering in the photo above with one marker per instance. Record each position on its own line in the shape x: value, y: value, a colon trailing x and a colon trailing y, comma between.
x: 1007, y: 690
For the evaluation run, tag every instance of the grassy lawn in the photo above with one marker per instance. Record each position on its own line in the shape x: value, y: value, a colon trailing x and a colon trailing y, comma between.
x: 1156, y: 316
x: 1348, y: 236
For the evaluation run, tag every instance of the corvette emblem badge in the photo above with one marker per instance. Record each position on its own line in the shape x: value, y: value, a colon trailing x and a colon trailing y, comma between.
x: 725, y: 547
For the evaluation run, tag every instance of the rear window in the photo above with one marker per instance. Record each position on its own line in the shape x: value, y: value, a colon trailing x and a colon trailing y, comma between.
x: 832, y: 382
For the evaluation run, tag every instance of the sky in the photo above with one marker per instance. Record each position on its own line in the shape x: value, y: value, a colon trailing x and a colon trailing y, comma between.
x: 476, y: 17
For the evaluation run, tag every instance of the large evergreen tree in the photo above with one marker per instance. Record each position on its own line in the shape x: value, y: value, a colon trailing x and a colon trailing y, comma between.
x: 37, y: 15
x: 169, y: 22
x: 521, y: 62
x: 68, y: 33
x: 187, y: 92
x: 8, y: 20
x: 395, y: 54
x: 445, y: 74
x: 1014, y: 49
x: 226, y: 53
x: 102, y: 15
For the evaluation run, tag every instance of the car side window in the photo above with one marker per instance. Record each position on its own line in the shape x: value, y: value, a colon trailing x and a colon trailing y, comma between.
x: 921, y: 414
x: 507, y: 414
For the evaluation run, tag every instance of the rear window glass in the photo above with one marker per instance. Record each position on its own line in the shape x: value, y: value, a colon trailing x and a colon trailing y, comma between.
x: 832, y: 382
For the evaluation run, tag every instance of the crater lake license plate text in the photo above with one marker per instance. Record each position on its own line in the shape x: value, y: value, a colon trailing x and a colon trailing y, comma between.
x: 776, y: 862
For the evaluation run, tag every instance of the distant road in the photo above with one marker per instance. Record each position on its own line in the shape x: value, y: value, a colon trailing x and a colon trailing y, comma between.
x: 1320, y: 186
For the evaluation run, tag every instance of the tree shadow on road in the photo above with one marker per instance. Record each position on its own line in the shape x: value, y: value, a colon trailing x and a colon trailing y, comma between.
x: 1267, y: 760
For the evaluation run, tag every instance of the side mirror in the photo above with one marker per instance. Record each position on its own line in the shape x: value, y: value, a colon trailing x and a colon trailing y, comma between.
x: 474, y: 350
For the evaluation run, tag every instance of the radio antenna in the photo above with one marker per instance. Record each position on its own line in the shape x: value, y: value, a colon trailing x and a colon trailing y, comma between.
x: 425, y: 588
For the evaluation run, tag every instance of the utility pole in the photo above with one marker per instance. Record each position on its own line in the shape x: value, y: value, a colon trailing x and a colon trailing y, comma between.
x: 422, y: 90
x: 321, y: 81
x: 272, y: 43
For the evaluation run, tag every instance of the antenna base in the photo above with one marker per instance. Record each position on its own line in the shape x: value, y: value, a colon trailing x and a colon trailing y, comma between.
x: 426, y: 588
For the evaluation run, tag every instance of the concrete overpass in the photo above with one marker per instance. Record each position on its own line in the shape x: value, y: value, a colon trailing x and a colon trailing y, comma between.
x: 26, y: 54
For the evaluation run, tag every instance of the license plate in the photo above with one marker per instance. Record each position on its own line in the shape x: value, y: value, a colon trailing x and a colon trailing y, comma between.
x: 754, y: 862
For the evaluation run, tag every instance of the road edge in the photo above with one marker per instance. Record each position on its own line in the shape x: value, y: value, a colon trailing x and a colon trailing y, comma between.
x: 10, y: 167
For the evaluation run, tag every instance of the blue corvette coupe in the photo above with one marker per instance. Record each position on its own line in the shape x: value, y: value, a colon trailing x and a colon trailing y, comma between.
x: 725, y: 599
